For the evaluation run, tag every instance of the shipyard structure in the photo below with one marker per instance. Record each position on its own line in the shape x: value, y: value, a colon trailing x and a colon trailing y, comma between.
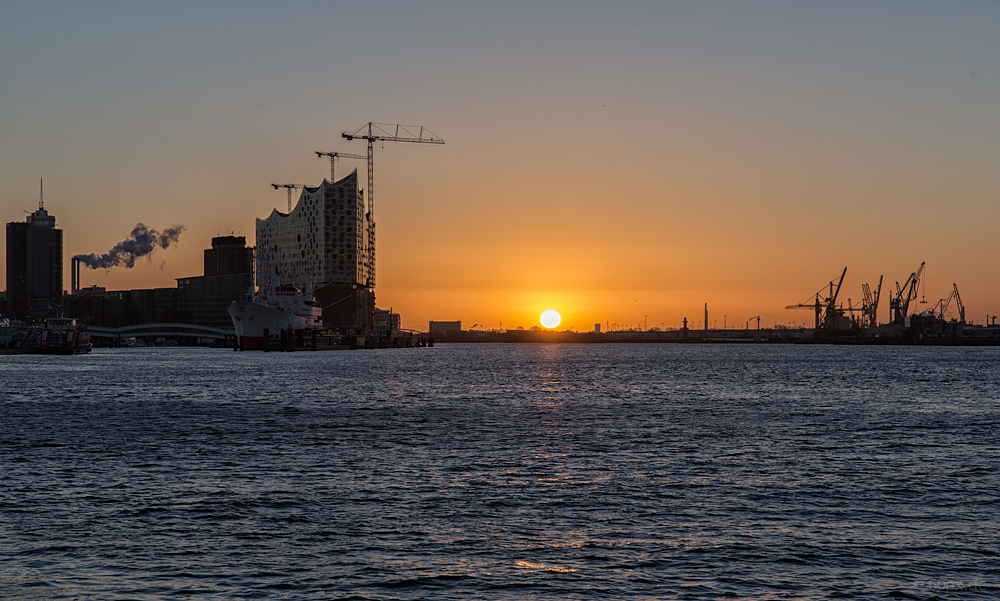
x: 325, y: 245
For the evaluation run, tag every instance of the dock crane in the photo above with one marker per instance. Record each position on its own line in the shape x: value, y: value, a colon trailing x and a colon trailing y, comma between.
x: 333, y: 160
x: 290, y: 187
x: 385, y: 132
x: 940, y: 308
x: 826, y: 308
x: 900, y: 305
x: 869, y: 304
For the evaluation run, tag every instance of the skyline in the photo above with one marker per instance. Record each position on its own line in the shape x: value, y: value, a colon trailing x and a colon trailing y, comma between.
x: 611, y: 163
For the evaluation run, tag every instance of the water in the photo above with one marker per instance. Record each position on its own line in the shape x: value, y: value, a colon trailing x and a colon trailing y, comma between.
x: 502, y: 471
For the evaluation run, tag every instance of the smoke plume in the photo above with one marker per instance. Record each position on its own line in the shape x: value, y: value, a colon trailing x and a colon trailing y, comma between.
x: 140, y: 243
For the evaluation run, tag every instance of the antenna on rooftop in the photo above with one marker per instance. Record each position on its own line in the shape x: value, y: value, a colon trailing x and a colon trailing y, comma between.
x: 41, y: 194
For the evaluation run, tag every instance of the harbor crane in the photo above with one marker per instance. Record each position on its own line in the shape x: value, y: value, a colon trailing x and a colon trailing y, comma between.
x: 385, y: 132
x: 290, y: 187
x: 940, y: 308
x: 826, y: 310
x: 333, y: 161
x: 900, y: 305
x: 869, y: 304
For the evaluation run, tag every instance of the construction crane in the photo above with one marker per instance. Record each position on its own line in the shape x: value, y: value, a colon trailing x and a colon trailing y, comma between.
x: 826, y: 310
x: 869, y: 304
x: 900, y: 305
x: 290, y: 187
x: 333, y: 160
x: 384, y: 132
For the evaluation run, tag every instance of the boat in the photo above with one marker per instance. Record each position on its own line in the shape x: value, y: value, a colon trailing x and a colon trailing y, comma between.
x: 58, y: 336
x: 280, y: 308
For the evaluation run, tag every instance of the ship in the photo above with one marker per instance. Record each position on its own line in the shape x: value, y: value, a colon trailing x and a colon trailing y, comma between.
x: 59, y: 336
x: 278, y: 309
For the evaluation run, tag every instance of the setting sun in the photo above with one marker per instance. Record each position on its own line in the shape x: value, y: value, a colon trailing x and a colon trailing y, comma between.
x: 550, y: 318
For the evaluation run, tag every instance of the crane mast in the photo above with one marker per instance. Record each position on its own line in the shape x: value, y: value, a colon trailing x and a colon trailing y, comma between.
x: 333, y: 160
x: 386, y: 132
x: 289, y: 187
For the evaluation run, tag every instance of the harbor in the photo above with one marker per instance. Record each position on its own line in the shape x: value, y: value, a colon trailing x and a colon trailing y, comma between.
x: 308, y: 283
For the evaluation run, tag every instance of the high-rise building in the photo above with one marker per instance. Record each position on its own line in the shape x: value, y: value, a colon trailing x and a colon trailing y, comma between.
x: 325, y: 243
x: 228, y: 255
x: 34, y: 266
x: 228, y: 277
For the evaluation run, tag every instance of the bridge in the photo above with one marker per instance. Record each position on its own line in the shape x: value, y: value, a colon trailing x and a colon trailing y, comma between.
x: 162, y: 330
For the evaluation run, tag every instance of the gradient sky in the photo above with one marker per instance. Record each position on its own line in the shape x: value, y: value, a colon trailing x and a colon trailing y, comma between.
x: 615, y: 161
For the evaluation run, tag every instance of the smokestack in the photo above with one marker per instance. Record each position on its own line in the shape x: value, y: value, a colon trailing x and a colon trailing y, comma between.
x: 74, y: 275
x: 706, y: 317
x: 140, y: 243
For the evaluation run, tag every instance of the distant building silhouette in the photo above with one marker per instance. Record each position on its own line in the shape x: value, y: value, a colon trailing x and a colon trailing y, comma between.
x: 34, y: 267
x: 444, y: 329
x: 198, y: 300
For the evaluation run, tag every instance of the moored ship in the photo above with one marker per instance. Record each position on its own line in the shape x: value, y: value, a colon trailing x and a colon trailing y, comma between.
x: 58, y: 336
x: 278, y: 309
x: 62, y: 336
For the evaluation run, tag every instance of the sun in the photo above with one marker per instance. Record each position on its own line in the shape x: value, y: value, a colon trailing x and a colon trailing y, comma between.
x: 550, y: 318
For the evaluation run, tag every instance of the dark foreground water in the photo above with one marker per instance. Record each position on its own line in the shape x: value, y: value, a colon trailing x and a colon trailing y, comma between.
x: 502, y: 471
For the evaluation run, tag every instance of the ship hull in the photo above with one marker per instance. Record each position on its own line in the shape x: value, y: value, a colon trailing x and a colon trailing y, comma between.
x: 250, y: 319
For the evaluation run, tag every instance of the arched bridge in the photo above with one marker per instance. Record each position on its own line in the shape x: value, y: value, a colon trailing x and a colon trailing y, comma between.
x: 164, y: 330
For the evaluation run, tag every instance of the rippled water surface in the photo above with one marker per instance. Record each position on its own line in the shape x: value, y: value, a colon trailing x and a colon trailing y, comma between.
x: 502, y: 471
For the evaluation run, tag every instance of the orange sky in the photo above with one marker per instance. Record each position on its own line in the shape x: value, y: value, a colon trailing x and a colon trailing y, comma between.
x: 614, y: 163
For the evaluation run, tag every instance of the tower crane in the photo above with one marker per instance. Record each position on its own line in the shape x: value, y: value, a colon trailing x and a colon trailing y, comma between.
x: 384, y: 132
x: 290, y: 187
x: 333, y: 160
x: 900, y: 305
